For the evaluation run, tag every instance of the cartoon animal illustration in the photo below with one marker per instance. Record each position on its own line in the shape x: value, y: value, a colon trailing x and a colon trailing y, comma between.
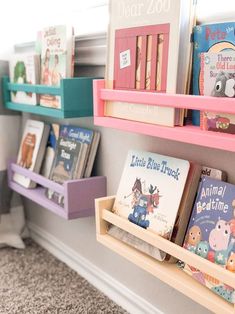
x: 202, y: 249
x: 20, y: 73
x: 216, y: 122
x: 227, y: 294
x: 219, y: 241
x: 20, y: 76
x: 27, y: 150
x: 152, y: 198
x: 138, y: 216
x: 136, y: 192
x: 224, y: 85
x: 194, y: 236
x: 231, y: 262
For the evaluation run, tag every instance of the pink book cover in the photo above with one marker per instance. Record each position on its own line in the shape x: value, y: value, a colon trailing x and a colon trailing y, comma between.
x: 57, y: 60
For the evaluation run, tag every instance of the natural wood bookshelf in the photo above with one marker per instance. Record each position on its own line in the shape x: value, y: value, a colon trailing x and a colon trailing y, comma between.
x: 166, y: 272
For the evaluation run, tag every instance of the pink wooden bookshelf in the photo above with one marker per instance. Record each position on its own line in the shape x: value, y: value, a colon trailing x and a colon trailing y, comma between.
x: 187, y: 134
x: 78, y: 194
x: 166, y: 272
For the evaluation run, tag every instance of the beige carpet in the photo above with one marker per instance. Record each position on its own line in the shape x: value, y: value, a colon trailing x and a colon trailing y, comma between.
x: 33, y: 281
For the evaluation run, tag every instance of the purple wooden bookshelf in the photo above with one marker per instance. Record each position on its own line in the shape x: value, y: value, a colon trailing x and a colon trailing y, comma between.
x: 79, y: 195
x: 187, y: 134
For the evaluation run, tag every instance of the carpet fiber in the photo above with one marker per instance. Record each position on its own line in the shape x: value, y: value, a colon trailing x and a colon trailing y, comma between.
x: 34, y: 281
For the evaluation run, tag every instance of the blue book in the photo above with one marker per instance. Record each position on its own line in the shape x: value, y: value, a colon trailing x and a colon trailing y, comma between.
x: 209, y: 38
x: 211, y: 232
x: 71, y: 156
x: 77, y: 133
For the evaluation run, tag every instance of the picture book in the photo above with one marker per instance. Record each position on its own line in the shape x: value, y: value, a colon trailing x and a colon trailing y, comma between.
x: 64, y: 165
x: 218, y: 80
x: 50, y: 149
x: 214, y: 38
x: 85, y: 137
x: 32, y: 149
x: 92, y: 154
x: 24, y: 69
x: 150, y: 191
x: 211, y: 233
x: 186, y: 206
x: 196, y: 173
x: 214, y: 173
x: 70, y: 157
x: 57, y: 59
x: 147, y: 52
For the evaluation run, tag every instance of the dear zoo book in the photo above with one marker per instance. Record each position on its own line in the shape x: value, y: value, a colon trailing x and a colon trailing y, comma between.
x: 150, y: 191
x: 211, y: 232
x: 148, y: 50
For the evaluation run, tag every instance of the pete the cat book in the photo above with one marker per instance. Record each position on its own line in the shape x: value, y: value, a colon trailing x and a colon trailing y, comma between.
x: 218, y: 80
x: 214, y: 37
x: 211, y: 232
x: 150, y: 191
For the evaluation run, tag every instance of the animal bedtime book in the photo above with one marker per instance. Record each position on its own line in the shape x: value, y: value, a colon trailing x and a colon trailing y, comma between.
x: 150, y: 191
x: 211, y: 232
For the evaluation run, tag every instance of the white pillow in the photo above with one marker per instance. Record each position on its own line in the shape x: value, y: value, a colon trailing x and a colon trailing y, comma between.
x: 12, y: 226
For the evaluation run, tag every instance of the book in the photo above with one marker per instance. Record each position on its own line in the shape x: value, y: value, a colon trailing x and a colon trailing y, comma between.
x: 196, y: 173
x: 64, y: 165
x: 211, y: 234
x: 92, y: 154
x: 148, y: 50
x: 214, y: 173
x: 31, y: 151
x: 150, y: 191
x: 70, y: 157
x: 186, y: 206
x: 24, y: 69
x: 84, y: 136
x: 57, y: 60
x: 218, y: 80
x: 214, y: 37
x: 50, y: 150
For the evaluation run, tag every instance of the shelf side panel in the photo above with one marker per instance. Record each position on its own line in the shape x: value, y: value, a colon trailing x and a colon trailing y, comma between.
x: 77, y: 95
x: 81, y: 194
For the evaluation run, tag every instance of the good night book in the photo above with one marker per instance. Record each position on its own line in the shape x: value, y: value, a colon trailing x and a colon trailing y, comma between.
x: 150, y: 191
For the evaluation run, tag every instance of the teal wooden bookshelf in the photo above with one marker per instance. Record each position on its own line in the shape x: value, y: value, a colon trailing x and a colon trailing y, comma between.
x: 76, y: 97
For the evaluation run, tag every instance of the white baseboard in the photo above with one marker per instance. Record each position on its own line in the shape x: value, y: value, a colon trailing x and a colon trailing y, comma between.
x: 116, y: 291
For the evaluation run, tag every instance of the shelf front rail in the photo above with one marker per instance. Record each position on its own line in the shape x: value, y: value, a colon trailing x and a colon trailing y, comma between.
x: 187, y: 134
x: 78, y: 194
